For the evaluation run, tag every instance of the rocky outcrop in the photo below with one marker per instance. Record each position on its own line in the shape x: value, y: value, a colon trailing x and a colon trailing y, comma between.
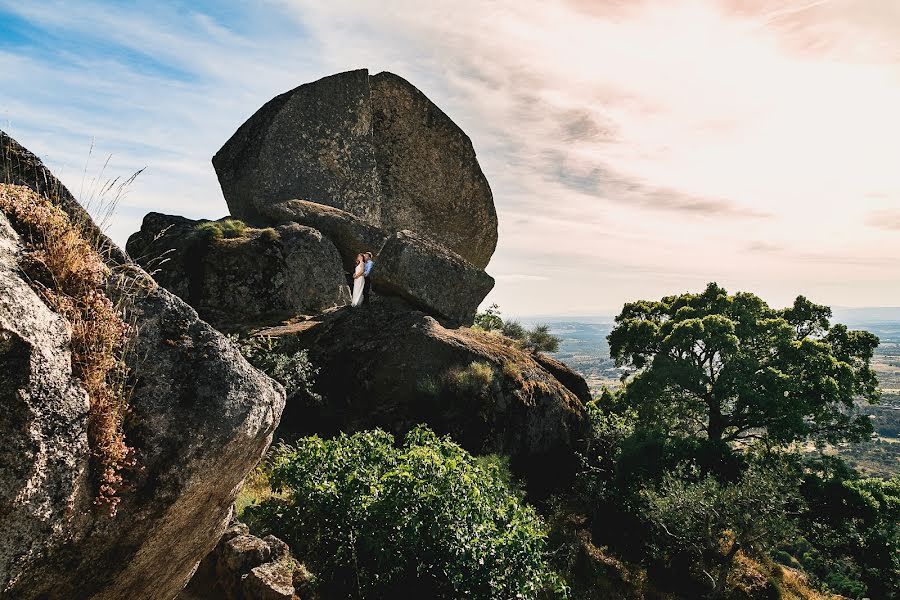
x: 245, y: 567
x: 574, y: 382
x: 374, y: 147
x: 265, y: 275
x: 430, y: 276
x: 199, y: 419
x: 43, y: 458
x: 349, y: 234
x: 262, y: 273
x: 392, y: 367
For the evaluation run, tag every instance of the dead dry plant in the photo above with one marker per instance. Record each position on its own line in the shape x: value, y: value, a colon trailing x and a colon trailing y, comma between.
x: 66, y: 269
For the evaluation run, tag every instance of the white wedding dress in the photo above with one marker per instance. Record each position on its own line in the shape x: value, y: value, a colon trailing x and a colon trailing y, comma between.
x: 358, y: 284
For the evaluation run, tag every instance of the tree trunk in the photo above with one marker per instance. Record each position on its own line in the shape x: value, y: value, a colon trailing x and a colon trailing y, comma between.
x: 722, y: 579
x: 715, y: 429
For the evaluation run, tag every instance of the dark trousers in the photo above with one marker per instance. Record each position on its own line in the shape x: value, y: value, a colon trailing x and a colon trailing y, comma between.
x: 367, y: 287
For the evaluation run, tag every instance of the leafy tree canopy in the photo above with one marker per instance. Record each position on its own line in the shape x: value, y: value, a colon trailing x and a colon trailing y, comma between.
x: 729, y: 367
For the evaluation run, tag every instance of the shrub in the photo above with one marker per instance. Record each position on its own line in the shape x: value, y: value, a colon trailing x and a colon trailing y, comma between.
x: 423, y: 520
x: 475, y: 380
x: 708, y: 521
x: 217, y: 230
x: 539, y: 339
x: 489, y: 319
x: 70, y: 274
x: 273, y: 356
x: 514, y: 330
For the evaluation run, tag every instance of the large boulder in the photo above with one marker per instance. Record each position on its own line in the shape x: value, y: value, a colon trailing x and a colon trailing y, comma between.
x: 349, y: 234
x: 430, y: 276
x: 258, y: 274
x: 200, y: 417
x: 374, y: 147
x: 392, y: 367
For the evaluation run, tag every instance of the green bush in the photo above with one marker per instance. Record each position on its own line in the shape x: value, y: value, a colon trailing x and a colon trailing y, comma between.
x: 489, y: 319
x: 708, y: 521
x: 514, y: 330
x: 227, y: 229
x: 425, y: 520
x: 475, y: 380
x: 289, y: 367
x: 539, y: 339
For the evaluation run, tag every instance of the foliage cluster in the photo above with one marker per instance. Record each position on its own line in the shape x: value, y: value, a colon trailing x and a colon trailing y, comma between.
x: 276, y: 358
x: 425, y: 519
x: 70, y: 274
x: 536, y: 339
x: 692, y: 468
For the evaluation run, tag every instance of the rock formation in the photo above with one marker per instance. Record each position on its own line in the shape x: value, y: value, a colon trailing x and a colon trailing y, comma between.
x: 262, y: 272
x: 393, y: 367
x: 363, y: 164
x: 374, y: 147
x: 431, y: 276
x: 245, y: 567
x: 200, y: 417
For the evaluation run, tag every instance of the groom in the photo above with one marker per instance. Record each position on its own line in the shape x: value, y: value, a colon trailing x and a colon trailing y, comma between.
x: 367, y: 270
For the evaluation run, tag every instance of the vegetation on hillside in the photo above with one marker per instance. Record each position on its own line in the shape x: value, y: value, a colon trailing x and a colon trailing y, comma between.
x: 69, y: 273
x: 276, y: 358
x: 693, y: 485
x: 422, y: 520
x: 693, y: 466
x: 536, y: 339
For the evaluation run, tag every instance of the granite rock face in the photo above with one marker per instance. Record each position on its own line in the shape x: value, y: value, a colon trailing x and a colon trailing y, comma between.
x: 245, y: 567
x: 375, y: 147
x: 430, y: 276
x: 349, y: 234
x: 393, y: 367
x: 200, y: 418
x: 287, y: 270
x: 44, y: 455
x: 430, y: 179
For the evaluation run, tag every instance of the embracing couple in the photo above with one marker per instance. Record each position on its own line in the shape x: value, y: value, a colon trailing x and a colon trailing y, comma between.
x: 361, y: 282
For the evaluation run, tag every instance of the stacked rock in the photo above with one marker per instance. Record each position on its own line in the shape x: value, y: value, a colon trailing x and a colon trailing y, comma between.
x: 370, y: 163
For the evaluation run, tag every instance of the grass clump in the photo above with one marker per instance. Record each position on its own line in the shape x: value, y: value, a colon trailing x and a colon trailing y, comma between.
x: 422, y: 520
x: 475, y: 380
x: 226, y: 229
x: 70, y: 274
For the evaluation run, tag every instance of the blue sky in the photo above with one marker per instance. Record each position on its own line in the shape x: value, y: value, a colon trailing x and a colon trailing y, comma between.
x: 634, y: 148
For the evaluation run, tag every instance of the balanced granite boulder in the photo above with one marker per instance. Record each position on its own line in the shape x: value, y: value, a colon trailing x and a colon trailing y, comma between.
x: 375, y: 147
x: 430, y: 276
x: 254, y: 274
x: 199, y: 419
x: 392, y: 367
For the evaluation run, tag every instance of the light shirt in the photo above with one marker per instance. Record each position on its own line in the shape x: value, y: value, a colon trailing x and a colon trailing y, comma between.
x: 368, y: 268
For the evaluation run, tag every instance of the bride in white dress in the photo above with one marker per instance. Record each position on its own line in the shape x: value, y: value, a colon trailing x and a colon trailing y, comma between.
x: 359, y: 281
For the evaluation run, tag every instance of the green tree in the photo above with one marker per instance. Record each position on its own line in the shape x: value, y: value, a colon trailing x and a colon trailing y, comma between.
x: 850, y: 531
x: 710, y: 521
x: 729, y: 368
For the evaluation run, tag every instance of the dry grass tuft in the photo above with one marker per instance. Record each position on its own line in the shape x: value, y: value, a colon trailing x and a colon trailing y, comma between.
x: 70, y: 274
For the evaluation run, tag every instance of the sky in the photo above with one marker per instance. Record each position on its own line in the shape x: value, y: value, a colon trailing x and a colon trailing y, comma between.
x: 635, y: 148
